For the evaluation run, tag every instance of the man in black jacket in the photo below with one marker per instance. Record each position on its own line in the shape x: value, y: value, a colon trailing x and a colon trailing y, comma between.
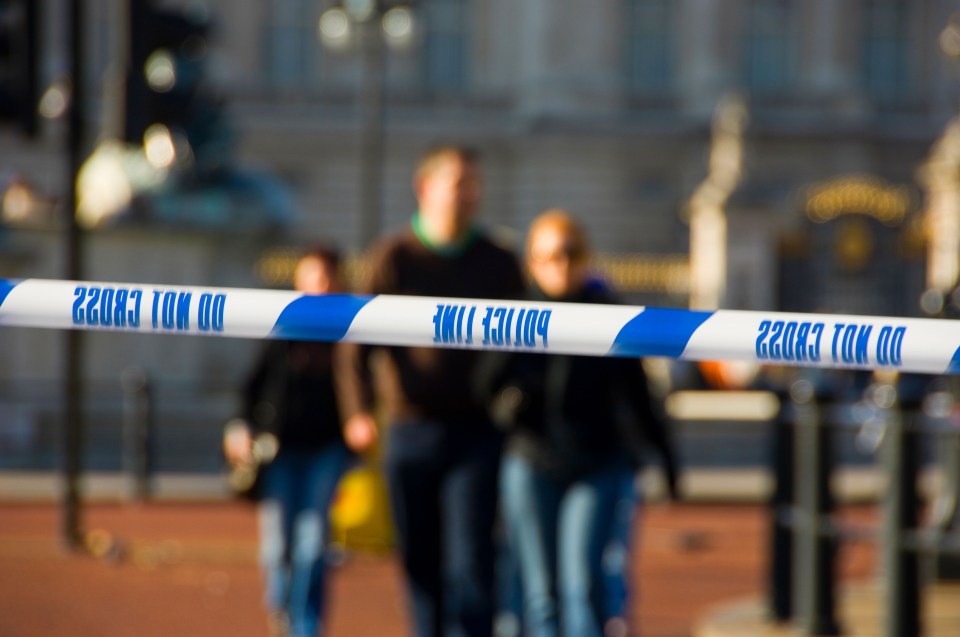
x: 442, y: 453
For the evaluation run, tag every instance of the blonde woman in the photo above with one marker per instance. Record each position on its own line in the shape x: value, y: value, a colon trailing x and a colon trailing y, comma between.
x: 577, y: 427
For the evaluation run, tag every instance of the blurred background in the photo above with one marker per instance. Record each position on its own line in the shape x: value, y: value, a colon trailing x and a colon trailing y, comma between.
x: 745, y: 154
x: 749, y: 154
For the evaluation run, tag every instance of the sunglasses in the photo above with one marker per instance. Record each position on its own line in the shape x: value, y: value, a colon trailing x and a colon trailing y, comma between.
x: 569, y: 251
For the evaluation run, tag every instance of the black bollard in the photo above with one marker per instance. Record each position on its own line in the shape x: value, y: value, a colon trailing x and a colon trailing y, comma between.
x: 138, y: 432
x: 781, y: 511
x: 816, y: 547
x: 901, y: 514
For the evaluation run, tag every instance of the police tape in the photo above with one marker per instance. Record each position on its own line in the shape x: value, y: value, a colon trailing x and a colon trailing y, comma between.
x: 813, y: 340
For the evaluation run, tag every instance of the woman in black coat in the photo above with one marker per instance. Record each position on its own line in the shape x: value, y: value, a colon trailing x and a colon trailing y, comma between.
x: 578, y: 429
x: 291, y: 424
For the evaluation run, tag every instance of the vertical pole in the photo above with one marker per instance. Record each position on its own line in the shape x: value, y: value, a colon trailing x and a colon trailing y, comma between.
x: 814, y: 550
x: 138, y: 431
x: 372, y: 136
x: 73, y: 425
x: 781, y: 511
x: 902, y: 591
x: 31, y: 69
x: 824, y: 579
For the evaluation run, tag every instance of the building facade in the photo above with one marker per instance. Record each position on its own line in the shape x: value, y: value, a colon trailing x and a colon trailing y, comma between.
x: 607, y: 108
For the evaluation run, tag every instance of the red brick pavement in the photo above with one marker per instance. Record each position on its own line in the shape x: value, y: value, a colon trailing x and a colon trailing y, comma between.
x: 190, y: 569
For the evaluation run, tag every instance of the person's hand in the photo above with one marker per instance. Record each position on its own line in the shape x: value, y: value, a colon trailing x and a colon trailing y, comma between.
x: 360, y: 432
x: 237, y: 442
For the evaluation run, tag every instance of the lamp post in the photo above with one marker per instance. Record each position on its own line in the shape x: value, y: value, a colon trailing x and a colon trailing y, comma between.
x: 72, y: 526
x: 370, y: 26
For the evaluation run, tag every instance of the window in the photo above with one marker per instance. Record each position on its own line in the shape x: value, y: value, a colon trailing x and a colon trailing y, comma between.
x: 886, y: 50
x: 768, y: 43
x: 445, y: 45
x: 649, y: 48
x: 292, y: 51
x: 296, y: 60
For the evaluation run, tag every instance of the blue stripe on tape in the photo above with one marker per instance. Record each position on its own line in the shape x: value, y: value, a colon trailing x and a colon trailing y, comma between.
x: 658, y: 332
x: 5, y: 287
x: 954, y: 366
x: 318, y: 318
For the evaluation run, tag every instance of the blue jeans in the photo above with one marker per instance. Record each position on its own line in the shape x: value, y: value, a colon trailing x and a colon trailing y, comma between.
x: 617, y: 553
x: 442, y: 480
x: 298, y: 487
x: 558, y: 530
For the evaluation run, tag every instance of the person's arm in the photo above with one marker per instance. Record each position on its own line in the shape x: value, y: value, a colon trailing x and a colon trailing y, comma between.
x: 354, y: 384
x: 353, y: 376
x: 652, y: 428
x: 239, y: 432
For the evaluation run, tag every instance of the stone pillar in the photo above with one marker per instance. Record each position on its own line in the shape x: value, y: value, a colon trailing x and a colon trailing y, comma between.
x: 942, y: 219
x: 708, y: 219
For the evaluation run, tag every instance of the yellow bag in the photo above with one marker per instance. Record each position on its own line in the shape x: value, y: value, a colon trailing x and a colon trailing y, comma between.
x: 360, y: 515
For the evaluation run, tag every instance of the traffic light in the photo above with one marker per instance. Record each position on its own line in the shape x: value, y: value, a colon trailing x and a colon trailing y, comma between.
x: 165, y: 79
x: 19, y: 51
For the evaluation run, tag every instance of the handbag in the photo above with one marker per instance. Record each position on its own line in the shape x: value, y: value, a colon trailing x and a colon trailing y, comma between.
x: 245, y: 479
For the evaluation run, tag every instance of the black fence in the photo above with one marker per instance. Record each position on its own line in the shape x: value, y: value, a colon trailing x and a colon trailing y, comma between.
x: 909, y: 424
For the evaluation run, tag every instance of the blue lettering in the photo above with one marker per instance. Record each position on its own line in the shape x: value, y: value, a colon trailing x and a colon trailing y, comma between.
x: 764, y: 329
x: 530, y: 329
x: 863, y: 338
x: 518, y: 340
x: 447, y: 331
x: 219, y: 307
x: 803, y: 331
x: 509, y: 328
x: 437, y: 318
x: 486, y: 321
x: 896, y: 346
x: 789, y: 334
x: 849, y: 335
x: 883, y: 345
x: 543, y: 324
x: 156, y: 308
x: 496, y: 334
x: 837, y: 331
x: 775, y: 348
x: 183, y: 311
x: 106, y: 309
x: 133, y: 316
x: 890, y: 345
x: 93, y: 312
x: 815, y: 349
x: 473, y: 310
x: 120, y: 309
x: 81, y: 294
x: 463, y: 308
x: 204, y: 307
x: 168, y: 318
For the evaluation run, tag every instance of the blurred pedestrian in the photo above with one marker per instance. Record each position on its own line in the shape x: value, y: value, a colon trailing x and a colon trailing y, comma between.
x: 578, y: 431
x: 291, y: 427
x: 442, y: 454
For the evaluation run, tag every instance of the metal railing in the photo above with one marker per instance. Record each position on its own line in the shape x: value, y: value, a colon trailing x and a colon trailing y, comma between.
x: 891, y: 418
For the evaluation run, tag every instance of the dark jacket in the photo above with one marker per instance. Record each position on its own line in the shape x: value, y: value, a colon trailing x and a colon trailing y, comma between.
x: 290, y: 394
x: 571, y: 415
x: 421, y: 382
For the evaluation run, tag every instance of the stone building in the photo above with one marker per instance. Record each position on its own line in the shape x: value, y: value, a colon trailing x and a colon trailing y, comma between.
x: 608, y: 108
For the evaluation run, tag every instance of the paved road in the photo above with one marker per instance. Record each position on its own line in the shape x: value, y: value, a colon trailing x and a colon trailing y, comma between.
x: 184, y: 569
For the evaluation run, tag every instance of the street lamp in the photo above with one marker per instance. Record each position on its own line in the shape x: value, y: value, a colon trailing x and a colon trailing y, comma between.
x: 370, y: 26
